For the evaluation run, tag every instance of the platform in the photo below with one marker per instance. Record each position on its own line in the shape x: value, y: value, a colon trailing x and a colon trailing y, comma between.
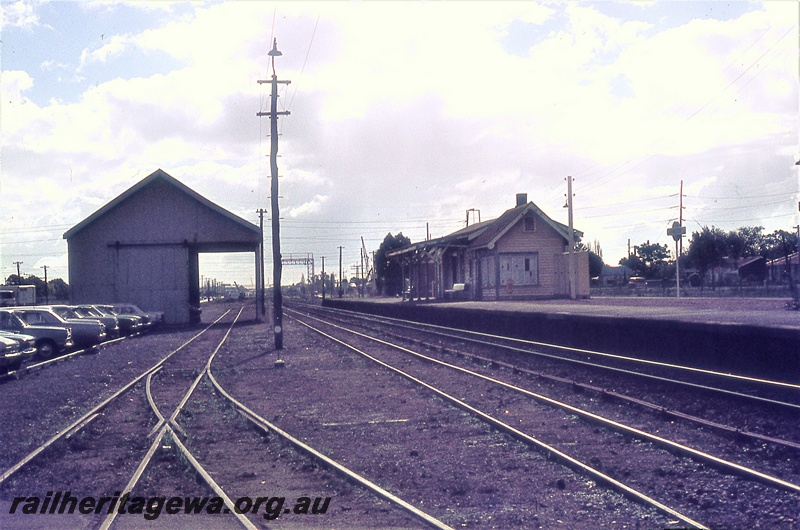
x: 754, y: 336
x: 768, y: 312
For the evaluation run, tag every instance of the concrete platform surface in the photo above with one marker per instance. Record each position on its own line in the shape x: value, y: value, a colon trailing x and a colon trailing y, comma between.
x: 766, y: 312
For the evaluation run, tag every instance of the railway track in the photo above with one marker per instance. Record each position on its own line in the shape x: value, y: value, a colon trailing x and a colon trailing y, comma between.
x: 585, y: 371
x: 180, y: 422
x: 786, y: 491
x: 419, y: 447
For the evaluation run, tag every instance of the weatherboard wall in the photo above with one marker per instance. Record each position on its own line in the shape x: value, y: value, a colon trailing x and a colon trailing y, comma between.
x: 144, y: 250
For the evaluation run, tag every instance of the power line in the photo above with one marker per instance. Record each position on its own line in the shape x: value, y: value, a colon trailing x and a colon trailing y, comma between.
x: 306, y: 59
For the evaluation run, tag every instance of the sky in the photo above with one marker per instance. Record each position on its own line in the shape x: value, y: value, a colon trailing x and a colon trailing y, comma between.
x: 403, y: 116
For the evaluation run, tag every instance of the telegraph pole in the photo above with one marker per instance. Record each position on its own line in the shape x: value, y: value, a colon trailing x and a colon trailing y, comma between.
x: 341, y: 291
x: 46, y: 289
x: 277, y: 297
x: 18, y: 263
x: 571, y: 265
x: 323, y: 278
x: 677, y: 232
x: 680, y: 242
x: 262, y: 289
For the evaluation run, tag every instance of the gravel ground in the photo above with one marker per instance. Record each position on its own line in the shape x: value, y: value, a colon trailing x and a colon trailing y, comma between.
x: 437, y: 457
x: 433, y: 455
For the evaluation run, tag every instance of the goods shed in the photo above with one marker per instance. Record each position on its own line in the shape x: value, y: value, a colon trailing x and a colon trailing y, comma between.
x: 143, y: 247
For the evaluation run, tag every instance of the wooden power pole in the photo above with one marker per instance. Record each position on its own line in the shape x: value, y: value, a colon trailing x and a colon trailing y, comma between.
x: 277, y: 297
x: 261, y: 294
x: 571, y: 268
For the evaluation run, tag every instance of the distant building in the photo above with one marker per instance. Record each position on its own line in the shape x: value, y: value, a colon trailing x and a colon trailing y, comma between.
x: 752, y: 270
x: 520, y: 255
x: 611, y: 276
x: 780, y: 269
x: 143, y: 247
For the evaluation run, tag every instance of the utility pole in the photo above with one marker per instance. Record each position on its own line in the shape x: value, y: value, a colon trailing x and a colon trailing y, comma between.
x: 262, y: 289
x: 277, y: 266
x: 18, y: 263
x: 571, y: 265
x: 323, y: 278
x: 680, y: 242
x: 677, y: 232
x: 341, y: 291
x: 363, y: 256
x: 46, y: 288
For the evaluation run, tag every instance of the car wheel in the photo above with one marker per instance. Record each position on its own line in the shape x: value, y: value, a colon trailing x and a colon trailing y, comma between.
x: 46, y: 349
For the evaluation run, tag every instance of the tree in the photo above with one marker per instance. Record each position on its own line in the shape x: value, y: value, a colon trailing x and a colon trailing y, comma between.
x: 779, y: 244
x: 595, y: 258
x: 59, y: 289
x: 389, y: 273
x: 15, y: 280
x: 649, y: 260
x: 707, y: 249
x: 595, y: 265
x: 752, y: 240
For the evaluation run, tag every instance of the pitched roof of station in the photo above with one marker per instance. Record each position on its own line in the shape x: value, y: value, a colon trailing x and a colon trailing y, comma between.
x: 486, y: 233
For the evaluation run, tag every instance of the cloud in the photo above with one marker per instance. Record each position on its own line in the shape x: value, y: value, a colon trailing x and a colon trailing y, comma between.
x: 312, y: 206
x: 404, y: 115
x: 18, y: 14
x: 13, y: 83
x: 116, y: 46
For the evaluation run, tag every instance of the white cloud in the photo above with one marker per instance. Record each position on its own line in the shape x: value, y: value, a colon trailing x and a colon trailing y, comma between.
x: 116, y: 46
x: 312, y: 206
x: 18, y: 14
x: 13, y: 83
x: 408, y: 113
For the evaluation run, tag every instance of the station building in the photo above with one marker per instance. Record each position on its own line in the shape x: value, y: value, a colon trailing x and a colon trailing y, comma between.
x: 522, y: 254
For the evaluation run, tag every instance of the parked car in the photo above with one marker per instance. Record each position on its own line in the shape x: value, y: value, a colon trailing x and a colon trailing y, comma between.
x: 128, y: 324
x: 50, y: 340
x: 27, y: 343
x: 68, y: 312
x: 85, y: 333
x: 10, y: 355
x: 150, y: 318
x: 637, y: 282
x: 27, y: 349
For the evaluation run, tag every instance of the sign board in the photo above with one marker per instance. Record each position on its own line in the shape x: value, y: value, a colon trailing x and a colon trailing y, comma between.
x: 677, y: 231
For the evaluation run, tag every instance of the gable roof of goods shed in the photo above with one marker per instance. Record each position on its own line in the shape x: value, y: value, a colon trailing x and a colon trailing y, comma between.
x: 159, y: 176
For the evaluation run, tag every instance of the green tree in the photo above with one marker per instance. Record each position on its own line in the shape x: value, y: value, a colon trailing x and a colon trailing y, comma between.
x: 707, y: 249
x: 15, y: 280
x: 752, y: 240
x: 595, y: 258
x: 779, y: 244
x: 649, y: 260
x: 389, y: 273
x: 59, y: 289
